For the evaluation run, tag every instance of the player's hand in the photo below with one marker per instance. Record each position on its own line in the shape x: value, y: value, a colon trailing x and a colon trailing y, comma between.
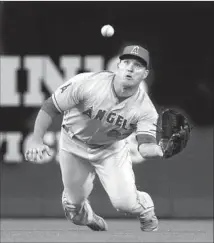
x: 37, y: 151
x: 133, y: 149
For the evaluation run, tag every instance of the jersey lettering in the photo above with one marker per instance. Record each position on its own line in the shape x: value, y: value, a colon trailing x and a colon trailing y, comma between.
x: 111, y: 118
x: 119, y: 121
x: 100, y: 115
x: 124, y: 124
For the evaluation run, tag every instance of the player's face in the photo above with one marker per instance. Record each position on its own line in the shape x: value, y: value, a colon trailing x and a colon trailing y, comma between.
x: 130, y: 74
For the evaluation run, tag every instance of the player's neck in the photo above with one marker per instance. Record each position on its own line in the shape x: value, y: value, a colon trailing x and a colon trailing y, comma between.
x: 115, y: 91
x: 118, y: 90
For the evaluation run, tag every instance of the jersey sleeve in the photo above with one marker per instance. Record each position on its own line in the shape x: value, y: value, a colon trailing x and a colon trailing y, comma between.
x: 70, y: 93
x: 147, y: 123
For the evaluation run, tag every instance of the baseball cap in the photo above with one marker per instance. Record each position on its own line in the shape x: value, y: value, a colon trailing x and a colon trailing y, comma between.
x: 137, y: 52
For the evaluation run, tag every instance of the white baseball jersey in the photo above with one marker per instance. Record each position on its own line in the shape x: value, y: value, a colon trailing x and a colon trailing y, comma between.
x: 93, y: 113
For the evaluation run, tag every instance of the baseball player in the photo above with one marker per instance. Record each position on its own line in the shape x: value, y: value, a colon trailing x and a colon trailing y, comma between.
x: 100, y: 110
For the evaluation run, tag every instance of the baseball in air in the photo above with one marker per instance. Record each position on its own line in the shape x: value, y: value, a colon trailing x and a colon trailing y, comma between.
x: 107, y: 31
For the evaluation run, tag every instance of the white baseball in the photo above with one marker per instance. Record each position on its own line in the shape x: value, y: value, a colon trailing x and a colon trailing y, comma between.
x: 107, y: 30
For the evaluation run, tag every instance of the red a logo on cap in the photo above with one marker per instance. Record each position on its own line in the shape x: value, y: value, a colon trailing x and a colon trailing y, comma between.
x: 135, y: 50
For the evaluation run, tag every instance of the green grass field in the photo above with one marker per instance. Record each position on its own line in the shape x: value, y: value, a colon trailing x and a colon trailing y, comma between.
x: 60, y: 230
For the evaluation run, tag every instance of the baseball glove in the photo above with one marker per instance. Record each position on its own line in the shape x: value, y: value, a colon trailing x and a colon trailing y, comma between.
x: 175, y: 132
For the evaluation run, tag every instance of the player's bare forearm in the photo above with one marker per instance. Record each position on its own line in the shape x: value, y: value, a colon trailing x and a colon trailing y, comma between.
x: 42, y: 123
x: 150, y: 151
x: 44, y: 119
x: 36, y: 150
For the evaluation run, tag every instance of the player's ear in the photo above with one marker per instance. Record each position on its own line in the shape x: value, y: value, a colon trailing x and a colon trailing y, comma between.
x: 146, y: 73
x: 118, y: 64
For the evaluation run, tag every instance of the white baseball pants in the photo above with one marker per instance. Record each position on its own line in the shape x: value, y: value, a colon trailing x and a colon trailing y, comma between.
x: 79, y: 165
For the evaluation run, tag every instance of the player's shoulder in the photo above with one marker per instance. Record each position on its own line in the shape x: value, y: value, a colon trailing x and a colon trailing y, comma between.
x: 146, y: 103
x: 79, y: 78
x: 102, y: 74
x: 98, y: 79
x: 83, y: 75
x: 95, y: 76
x: 149, y: 102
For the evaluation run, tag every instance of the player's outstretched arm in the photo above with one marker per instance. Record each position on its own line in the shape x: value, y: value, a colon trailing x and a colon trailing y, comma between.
x: 36, y: 149
x: 148, y: 147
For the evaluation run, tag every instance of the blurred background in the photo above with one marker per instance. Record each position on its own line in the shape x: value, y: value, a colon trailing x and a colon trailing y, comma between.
x: 42, y: 44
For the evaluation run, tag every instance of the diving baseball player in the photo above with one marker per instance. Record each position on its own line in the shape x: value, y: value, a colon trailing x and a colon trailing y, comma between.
x: 100, y: 110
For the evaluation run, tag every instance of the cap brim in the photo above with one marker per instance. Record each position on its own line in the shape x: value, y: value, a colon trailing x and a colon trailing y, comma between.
x: 128, y: 56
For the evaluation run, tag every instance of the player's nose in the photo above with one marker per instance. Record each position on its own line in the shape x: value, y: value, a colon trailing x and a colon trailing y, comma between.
x: 130, y: 67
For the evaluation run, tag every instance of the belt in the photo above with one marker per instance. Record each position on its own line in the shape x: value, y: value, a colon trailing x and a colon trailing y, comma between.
x: 93, y: 146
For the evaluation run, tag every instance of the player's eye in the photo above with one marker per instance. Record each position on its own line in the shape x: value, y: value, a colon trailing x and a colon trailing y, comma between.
x: 126, y: 61
x: 138, y: 65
